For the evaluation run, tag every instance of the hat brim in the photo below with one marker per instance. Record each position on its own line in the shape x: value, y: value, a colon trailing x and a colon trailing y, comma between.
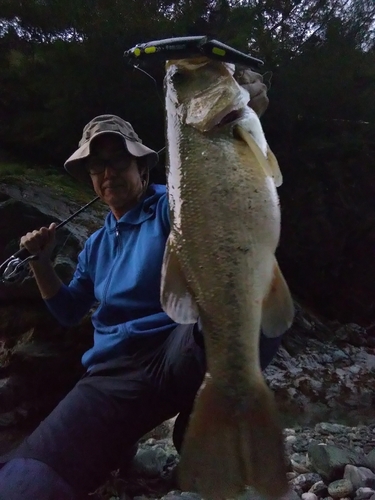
x: 74, y: 164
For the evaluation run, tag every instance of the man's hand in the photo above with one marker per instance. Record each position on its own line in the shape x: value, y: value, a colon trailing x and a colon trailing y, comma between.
x: 253, y: 83
x: 40, y: 242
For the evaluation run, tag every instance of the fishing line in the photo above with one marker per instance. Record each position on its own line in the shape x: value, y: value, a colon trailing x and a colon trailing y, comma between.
x: 153, y: 79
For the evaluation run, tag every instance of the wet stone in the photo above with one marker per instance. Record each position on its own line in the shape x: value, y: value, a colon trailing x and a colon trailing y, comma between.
x: 340, y: 488
x: 309, y: 496
x: 305, y: 481
x: 364, y: 493
x: 359, y: 476
x: 319, y: 488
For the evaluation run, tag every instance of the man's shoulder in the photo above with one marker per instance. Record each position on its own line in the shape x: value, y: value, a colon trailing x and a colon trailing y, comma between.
x: 157, y: 198
x: 157, y: 191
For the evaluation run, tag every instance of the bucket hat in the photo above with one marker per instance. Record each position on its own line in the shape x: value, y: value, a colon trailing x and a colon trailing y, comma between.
x: 104, y: 124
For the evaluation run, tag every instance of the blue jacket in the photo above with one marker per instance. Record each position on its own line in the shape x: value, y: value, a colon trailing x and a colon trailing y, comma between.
x: 120, y: 267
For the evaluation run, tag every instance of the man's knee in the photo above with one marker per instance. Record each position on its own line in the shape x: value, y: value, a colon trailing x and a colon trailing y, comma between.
x: 22, y: 478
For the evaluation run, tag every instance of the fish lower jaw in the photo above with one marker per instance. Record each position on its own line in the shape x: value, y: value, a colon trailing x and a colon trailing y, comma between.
x: 231, y: 117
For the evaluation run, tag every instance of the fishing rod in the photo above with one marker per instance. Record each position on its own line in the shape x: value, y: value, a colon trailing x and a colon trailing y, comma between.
x: 15, y: 268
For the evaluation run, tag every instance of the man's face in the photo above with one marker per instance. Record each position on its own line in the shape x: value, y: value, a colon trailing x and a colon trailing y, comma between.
x: 114, y: 172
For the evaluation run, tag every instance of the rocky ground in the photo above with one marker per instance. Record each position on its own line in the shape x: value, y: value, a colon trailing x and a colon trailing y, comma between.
x: 327, y: 461
x: 323, y: 376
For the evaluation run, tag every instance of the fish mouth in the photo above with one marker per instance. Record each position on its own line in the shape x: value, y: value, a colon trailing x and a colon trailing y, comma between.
x: 231, y: 118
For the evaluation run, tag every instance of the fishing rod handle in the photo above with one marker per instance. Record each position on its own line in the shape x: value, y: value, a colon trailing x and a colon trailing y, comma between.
x: 21, y: 254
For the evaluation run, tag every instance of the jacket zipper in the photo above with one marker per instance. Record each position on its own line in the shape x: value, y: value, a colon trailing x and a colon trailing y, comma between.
x: 117, y: 243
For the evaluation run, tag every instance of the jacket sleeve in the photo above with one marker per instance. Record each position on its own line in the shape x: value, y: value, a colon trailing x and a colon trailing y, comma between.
x: 72, y: 302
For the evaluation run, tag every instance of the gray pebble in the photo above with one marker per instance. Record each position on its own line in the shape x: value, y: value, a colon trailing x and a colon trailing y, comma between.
x: 305, y: 481
x: 299, y: 463
x: 359, y: 476
x: 289, y: 440
x: 150, y: 461
x: 190, y: 495
x: 364, y: 493
x: 340, y: 488
x: 319, y: 488
x: 309, y: 496
x: 291, y: 475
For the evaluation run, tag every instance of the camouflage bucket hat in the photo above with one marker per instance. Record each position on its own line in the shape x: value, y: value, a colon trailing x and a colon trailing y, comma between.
x: 105, y: 124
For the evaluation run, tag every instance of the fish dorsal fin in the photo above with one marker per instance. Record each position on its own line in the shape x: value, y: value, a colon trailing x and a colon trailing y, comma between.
x: 176, y: 299
x: 269, y: 163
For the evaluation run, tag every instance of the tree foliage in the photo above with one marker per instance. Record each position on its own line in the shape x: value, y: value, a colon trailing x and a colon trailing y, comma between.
x: 61, y: 63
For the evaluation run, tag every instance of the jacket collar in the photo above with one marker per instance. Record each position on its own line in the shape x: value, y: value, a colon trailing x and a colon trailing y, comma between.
x: 144, y: 209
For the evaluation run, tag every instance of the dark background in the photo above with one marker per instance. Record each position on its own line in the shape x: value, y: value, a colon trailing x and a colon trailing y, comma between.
x: 61, y: 63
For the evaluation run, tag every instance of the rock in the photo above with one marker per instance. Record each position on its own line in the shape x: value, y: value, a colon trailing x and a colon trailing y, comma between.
x: 289, y: 440
x: 188, y: 495
x: 291, y: 495
x: 330, y: 461
x: 319, y: 488
x: 309, y: 496
x: 359, y: 476
x: 340, y: 488
x: 306, y: 481
x: 371, y: 459
x: 298, y: 490
x: 328, y: 428
x: 364, y: 493
x: 179, y: 496
x: 299, y: 464
x: 252, y: 494
x: 150, y: 461
x: 291, y: 475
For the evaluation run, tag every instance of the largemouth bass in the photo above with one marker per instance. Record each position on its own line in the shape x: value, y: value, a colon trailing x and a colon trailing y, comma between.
x: 219, y: 266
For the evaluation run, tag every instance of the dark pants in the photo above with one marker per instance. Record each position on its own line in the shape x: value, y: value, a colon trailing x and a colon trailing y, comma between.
x: 107, y: 412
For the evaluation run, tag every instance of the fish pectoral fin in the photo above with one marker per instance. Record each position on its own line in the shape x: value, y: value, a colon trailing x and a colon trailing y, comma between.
x: 246, y: 136
x: 278, y: 307
x: 274, y: 164
x: 176, y: 299
x: 229, y: 446
x: 269, y: 163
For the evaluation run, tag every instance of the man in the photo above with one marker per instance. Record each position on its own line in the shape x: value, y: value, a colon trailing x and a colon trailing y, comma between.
x: 142, y: 368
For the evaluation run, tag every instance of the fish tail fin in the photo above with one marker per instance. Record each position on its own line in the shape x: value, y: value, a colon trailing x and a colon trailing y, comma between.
x: 226, y: 448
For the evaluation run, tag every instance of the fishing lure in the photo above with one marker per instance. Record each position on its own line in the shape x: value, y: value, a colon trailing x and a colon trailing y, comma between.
x: 186, y: 47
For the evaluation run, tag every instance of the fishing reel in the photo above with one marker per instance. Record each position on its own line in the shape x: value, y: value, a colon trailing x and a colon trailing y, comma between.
x: 15, y: 269
x: 187, y: 47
